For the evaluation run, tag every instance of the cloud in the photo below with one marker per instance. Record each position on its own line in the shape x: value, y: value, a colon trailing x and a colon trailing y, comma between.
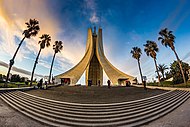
x: 13, y: 16
x: 19, y: 70
x: 7, y: 44
x: 187, y: 55
x: 47, y: 64
x: 94, y: 18
x: 91, y: 9
x: 176, y: 17
x: 90, y: 4
x: 134, y: 36
x: 63, y: 63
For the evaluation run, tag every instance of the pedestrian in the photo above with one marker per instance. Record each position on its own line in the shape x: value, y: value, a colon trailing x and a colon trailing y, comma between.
x: 90, y: 82
x: 98, y: 82
x: 144, y: 84
x: 109, y: 83
x: 128, y: 83
x: 40, y: 84
x: 45, y: 84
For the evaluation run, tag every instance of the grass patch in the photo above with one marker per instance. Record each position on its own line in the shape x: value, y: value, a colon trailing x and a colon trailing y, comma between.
x: 170, y: 84
x: 16, y: 84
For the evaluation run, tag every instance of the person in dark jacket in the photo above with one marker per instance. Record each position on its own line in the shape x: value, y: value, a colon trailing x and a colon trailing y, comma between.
x: 109, y: 83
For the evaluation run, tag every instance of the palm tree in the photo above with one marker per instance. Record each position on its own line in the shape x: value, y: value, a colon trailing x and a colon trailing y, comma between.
x: 32, y: 30
x: 168, y: 39
x: 136, y: 53
x: 45, y: 42
x: 57, y: 47
x: 151, y: 48
x: 162, y: 68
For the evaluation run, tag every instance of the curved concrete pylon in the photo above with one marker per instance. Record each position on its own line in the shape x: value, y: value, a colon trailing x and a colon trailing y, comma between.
x: 94, y: 62
x: 76, y: 72
x: 112, y: 72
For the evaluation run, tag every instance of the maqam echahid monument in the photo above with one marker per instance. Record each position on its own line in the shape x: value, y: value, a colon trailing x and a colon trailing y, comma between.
x: 94, y: 62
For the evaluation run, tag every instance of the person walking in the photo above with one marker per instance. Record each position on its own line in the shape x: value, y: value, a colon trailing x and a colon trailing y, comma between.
x: 98, y: 82
x: 109, y: 83
x: 40, y: 83
x: 46, y: 85
x: 128, y: 83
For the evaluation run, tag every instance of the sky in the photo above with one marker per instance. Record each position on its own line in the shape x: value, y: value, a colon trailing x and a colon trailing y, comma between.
x: 125, y: 24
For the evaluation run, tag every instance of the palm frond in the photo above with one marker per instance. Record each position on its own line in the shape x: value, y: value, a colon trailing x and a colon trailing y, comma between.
x: 167, y: 38
x: 151, y: 48
x: 136, y: 52
x: 58, y: 46
x: 160, y: 38
x: 32, y: 28
x: 45, y: 41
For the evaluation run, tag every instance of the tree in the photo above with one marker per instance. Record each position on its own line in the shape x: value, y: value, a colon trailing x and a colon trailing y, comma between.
x: 168, y: 75
x: 32, y: 30
x: 57, y: 47
x: 151, y: 49
x: 161, y: 69
x: 45, y: 42
x: 1, y: 77
x: 15, y: 78
x: 22, y: 79
x: 168, y: 39
x: 176, y: 72
x: 136, y: 53
x: 4, y: 77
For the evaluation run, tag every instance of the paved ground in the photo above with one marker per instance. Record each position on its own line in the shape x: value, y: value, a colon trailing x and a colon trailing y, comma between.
x: 94, y: 94
x: 12, y: 118
x: 164, y: 88
x: 180, y: 117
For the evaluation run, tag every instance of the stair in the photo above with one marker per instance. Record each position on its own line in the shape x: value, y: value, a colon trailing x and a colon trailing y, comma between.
x: 57, y: 113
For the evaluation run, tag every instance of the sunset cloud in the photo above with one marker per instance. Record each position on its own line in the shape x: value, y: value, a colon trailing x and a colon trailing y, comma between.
x: 13, y: 16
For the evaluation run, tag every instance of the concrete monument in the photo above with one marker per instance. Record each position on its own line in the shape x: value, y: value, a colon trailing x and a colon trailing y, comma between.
x: 94, y: 62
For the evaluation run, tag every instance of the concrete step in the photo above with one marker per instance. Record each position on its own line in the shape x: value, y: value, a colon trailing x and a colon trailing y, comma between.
x: 116, y: 116
x: 92, y: 109
x: 60, y: 112
x: 119, y: 112
x: 62, y: 107
x: 95, y: 106
x: 159, y: 114
x: 70, y: 118
x: 29, y: 113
